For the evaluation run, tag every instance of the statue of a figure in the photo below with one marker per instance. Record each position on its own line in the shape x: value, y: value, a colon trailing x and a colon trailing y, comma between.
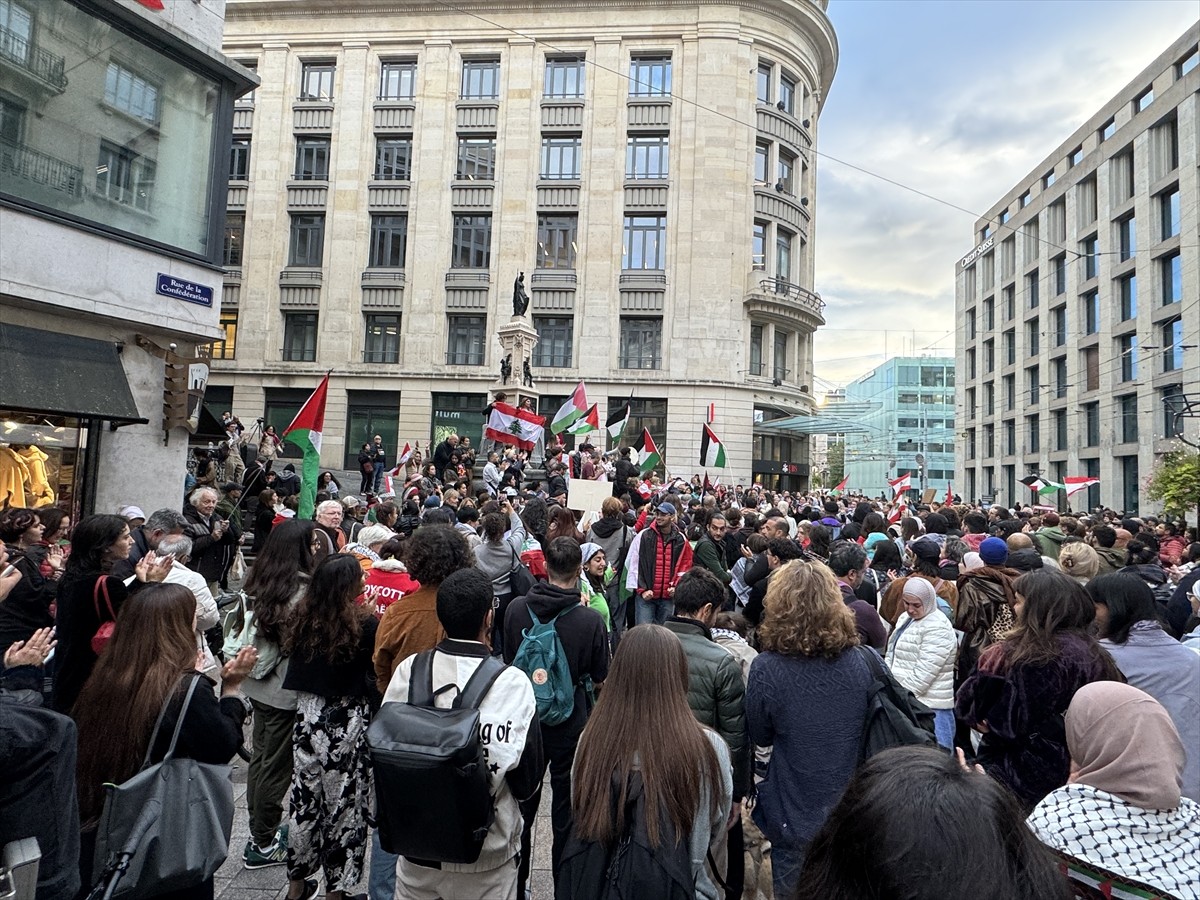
x: 528, y: 373
x: 520, y: 298
x: 506, y: 369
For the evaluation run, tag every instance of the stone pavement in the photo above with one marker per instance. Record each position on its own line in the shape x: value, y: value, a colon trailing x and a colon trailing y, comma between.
x: 234, y: 882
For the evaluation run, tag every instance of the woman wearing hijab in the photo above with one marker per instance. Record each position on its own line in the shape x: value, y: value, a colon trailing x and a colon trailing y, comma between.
x: 594, y: 580
x: 1121, y: 811
x: 925, y: 556
x: 921, y: 654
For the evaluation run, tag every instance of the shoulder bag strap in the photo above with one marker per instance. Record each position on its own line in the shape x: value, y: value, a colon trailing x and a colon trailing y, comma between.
x: 420, y: 680
x: 195, y: 676
x: 479, y: 683
x: 101, y: 587
x: 873, y: 663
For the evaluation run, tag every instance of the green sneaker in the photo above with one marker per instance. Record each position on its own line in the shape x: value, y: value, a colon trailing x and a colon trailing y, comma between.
x: 255, y: 857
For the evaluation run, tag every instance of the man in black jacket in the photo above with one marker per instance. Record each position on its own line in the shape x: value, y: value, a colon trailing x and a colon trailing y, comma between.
x: 624, y: 471
x: 585, y: 644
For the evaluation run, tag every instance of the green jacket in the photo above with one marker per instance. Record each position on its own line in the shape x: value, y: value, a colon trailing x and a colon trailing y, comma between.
x: 712, y: 556
x: 716, y: 694
x: 1049, y: 541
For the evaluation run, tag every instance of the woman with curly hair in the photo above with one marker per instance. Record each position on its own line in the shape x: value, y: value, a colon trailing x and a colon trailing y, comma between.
x: 411, y: 625
x: 1021, y: 686
x: 329, y: 642
x: 806, y: 696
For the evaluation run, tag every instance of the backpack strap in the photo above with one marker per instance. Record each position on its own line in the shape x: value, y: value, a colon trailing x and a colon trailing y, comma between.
x: 479, y: 683
x: 420, y: 680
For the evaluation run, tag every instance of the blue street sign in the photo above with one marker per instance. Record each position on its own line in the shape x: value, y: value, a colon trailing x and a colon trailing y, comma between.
x: 189, y: 291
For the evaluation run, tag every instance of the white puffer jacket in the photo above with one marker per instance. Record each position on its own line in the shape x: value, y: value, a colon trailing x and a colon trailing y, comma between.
x: 922, y: 658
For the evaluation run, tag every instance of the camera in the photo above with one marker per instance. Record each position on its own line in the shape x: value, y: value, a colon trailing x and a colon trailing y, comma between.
x: 260, y: 420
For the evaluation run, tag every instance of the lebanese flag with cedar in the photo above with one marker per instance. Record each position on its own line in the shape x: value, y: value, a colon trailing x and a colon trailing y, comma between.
x: 510, y: 425
x: 901, y: 484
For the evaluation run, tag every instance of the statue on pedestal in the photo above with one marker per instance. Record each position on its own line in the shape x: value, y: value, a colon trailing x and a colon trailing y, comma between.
x: 506, y: 369
x: 528, y: 374
x: 520, y: 297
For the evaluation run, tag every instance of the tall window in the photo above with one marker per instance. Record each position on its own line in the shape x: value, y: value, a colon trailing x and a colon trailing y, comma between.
x: 1010, y: 302
x: 1091, y: 312
x: 1060, y: 429
x: 397, y: 80
x: 465, y: 340
x: 131, y: 93
x: 557, y: 241
x: 647, y: 156
x: 783, y: 254
x: 779, y: 358
x: 12, y: 118
x: 472, y: 242
x: 1127, y: 412
x: 312, y: 159
x: 1171, y: 274
x: 1089, y: 258
x: 786, y: 170
x: 389, y: 238
x: 1127, y: 233
x: 393, y: 158
x: 235, y: 233
x: 561, y: 158
x: 564, y: 78
x: 1033, y: 426
x: 644, y: 245
x: 239, y: 160
x: 381, y: 344
x: 1168, y: 209
x: 762, y: 164
x: 1060, y: 273
x: 476, y: 159
x: 1172, y: 344
x: 756, y: 350
x: 316, y: 80
x: 1091, y: 425
x: 480, y: 79
x: 763, y: 83
x: 1033, y: 290
x: 758, y: 246
x: 1170, y: 399
x: 17, y: 35
x: 299, y: 337
x: 641, y: 343
x: 650, y: 76
x: 1059, y: 316
x: 1034, y: 380
x: 125, y: 177
x: 1008, y: 346
x: 555, y: 335
x: 1127, y: 290
x: 787, y: 93
x: 1127, y: 351
x: 226, y: 348
x: 1032, y: 337
x: 1060, y: 378
x: 307, y: 240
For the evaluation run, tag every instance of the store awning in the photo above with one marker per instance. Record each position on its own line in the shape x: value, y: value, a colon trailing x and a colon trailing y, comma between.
x: 812, y: 425
x: 50, y: 372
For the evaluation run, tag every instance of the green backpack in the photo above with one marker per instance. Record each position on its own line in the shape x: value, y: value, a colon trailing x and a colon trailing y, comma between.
x: 542, y: 658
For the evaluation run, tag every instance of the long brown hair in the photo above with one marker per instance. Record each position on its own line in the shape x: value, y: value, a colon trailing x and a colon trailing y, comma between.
x: 805, y: 613
x: 328, y: 622
x: 281, y: 567
x: 645, y: 716
x: 152, y: 647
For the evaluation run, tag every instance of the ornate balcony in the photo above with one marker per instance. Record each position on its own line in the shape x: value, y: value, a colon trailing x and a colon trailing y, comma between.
x: 50, y: 172
x: 47, y: 69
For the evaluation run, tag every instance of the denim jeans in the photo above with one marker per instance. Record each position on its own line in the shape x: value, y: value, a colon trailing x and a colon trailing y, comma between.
x: 653, y: 611
x: 378, y: 477
x: 943, y: 727
x: 382, y: 882
x: 786, y: 865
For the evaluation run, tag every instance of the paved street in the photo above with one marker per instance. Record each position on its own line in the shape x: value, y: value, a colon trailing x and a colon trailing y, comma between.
x: 234, y: 882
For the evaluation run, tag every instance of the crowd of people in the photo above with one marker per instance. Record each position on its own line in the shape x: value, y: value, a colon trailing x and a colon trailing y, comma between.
x: 693, y: 668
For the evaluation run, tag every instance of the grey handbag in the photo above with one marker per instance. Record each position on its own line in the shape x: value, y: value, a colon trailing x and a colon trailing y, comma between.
x: 167, y: 827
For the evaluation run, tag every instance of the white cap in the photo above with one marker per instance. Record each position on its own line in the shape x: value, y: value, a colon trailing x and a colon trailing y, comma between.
x: 131, y: 513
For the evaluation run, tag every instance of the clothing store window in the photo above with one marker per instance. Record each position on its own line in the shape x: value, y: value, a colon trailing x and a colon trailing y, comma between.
x: 41, y: 460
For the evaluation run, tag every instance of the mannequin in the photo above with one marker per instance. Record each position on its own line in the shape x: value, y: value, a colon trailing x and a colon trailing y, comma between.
x: 14, y: 474
x: 39, y: 485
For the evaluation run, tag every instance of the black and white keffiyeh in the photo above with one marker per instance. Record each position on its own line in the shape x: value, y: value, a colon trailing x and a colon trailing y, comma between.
x: 1157, y: 847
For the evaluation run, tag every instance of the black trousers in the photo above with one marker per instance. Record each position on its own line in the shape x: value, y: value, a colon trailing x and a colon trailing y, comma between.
x: 559, y: 752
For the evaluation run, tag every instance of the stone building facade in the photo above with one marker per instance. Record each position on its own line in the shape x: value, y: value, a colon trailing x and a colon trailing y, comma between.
x: 648, y: 167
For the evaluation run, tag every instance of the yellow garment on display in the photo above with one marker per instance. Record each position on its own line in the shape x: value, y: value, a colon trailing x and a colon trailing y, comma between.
x: 39, y: 485
x: 13, y: 476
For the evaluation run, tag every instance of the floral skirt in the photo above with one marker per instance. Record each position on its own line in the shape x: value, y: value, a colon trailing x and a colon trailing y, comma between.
x: 331, y: 790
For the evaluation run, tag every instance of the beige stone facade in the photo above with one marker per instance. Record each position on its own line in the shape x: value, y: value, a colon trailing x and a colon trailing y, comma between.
x: 666, y: 232
x: 1079, y: 306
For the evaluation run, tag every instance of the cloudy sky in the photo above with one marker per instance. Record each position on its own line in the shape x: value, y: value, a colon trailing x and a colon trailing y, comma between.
x: 959, y: 99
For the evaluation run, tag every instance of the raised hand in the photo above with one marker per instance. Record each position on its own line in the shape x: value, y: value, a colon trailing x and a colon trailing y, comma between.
x: 32, y: 652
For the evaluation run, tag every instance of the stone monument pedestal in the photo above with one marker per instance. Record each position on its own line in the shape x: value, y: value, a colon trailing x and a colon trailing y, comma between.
x: 517, y: 339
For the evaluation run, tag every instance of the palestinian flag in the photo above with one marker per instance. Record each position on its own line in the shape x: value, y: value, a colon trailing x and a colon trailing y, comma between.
x: 519, y: 427
x: 570, y: 411
x: 305, y: 433
x: 1077, y: 483
x: 712, y: 451
x: 841, y: 486
x: 1040, y: 486
x: 589, y: 421
x: 616, y: 422
x: 648, y: 456
x: 901, y: 484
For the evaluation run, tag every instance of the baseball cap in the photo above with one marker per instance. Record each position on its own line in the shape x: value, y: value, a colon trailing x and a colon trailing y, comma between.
x: 133, y: 512
x: 667, y: 509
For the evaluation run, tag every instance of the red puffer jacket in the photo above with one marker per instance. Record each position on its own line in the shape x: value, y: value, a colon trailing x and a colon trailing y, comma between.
x: 386, y: 582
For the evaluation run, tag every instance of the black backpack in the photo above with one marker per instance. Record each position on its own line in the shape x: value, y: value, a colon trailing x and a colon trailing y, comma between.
x: 630, y: 869
x: 433, y: 802
x: 895, y: 717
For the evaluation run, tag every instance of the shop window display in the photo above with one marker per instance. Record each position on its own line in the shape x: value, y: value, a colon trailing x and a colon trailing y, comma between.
x: 40, y: 461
